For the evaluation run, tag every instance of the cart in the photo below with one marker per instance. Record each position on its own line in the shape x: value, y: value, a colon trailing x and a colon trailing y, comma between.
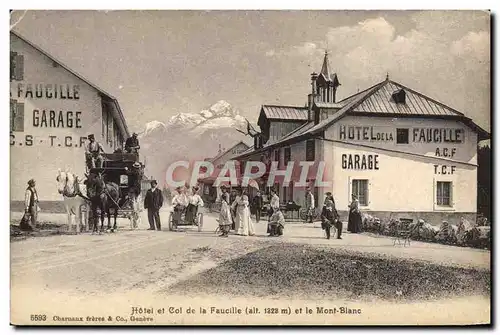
x: 197, y: 222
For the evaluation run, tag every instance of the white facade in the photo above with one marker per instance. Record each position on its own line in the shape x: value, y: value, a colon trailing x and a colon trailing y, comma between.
x: 49, y: 129
x: 403, y: 177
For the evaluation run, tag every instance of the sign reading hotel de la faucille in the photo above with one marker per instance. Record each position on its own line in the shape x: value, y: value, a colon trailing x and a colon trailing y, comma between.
x: 442, y: 137
x: 45, y: 118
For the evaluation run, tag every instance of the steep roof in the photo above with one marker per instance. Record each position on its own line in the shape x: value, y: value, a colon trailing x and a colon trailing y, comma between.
x: 120, y: 118
x: 378, y: 100
x: 273, y: 112
x: 326, y: 73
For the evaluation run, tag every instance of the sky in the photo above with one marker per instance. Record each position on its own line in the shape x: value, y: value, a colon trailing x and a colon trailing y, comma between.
x: 160, y: 63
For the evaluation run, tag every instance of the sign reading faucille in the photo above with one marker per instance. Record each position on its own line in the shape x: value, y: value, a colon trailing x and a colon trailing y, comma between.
x: 416, y: 135
x: 48, y: 91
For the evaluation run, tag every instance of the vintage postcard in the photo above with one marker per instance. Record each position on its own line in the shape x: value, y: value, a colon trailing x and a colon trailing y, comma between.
x: 250, y: 167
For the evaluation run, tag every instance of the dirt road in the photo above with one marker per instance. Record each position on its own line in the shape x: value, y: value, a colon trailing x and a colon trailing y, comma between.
x: 128, y: 266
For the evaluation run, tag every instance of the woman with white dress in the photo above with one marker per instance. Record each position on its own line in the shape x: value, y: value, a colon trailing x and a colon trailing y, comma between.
x: 246, y: 226
x: 247, y: 215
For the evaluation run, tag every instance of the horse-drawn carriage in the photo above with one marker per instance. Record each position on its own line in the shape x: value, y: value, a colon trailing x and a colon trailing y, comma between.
x: 115, y: 187
x: 173, y: 224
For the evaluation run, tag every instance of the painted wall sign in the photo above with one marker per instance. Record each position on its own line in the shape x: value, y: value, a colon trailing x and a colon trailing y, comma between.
x: 48, y: 91
x: 444, y: 169
x: 438, y: 135
x: 51, y: 140
x: 446, y: 152
x: 358, y: 133
x: 59, y: 119
x: 359, y: 162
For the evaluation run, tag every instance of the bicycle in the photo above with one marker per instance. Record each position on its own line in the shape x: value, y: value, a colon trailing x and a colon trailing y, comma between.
x: 316, y: 214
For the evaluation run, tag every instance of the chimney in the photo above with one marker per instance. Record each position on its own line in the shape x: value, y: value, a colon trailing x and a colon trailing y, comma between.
x: 312, y: 96
x: 220, y: 148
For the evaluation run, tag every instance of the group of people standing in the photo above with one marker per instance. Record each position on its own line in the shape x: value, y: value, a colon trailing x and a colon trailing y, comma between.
x: 187, y: 199
x: 235, y: 213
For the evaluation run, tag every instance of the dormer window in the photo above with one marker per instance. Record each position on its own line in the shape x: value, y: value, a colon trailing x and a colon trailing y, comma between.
x: 399, y: 96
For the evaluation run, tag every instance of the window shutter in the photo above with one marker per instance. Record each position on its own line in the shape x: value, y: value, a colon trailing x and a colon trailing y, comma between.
x: 13, y: 113
x: 452, y: 201
x: 434, y: 190
x: 20, y: 67
x: 368, y: 198
x: 13, y: 65
x: 19, y: 117
x: 349, y: 190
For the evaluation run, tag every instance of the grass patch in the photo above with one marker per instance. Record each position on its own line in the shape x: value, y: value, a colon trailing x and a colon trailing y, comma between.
x: 300, y: 270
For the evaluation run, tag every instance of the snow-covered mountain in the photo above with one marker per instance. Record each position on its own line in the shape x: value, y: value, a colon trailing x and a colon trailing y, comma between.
x: 190, y: 136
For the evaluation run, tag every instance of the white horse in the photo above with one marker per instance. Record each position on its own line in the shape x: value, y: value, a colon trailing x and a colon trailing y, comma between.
x: 135, y: 217
x: 69, y: 186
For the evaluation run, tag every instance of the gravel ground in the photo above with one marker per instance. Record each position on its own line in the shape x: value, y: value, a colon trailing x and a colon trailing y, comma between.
x: 301, y: 270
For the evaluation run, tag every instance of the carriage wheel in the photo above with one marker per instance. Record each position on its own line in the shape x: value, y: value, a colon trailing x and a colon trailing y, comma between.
x: 303, y: 214
x: 200, y: 221
x: 171, y: 222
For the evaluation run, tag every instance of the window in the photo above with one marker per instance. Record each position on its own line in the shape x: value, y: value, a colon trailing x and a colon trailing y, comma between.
x: 115, y: 138
x: 123, y: 179
x: 324, y: 115
x: 310, y: 150
x: 242, y: 167
x: 277, y: 156
x: 287, y: 155
x: 443, y: 194
x: 402, y: 135
x: 110, y: 129
x: 104, y: 120
x: 16, y: 116
x: 291, y: 191
x: 285, y: 193
x: 16, y: 66
x: 360, y: 189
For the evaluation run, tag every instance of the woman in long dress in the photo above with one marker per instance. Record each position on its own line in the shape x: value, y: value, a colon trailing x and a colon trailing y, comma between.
x: 225, y: 219
x: 354, y: 224
x: 246, y: 224
x: 236, y: 211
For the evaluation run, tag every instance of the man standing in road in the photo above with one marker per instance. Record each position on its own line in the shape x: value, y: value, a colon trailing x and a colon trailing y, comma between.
x: 153, y: 202
x: 257, y: 206
x: 309, y: 205
x: 31, y: 202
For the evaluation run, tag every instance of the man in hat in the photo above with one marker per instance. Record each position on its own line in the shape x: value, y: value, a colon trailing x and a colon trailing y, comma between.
x: 93, y: 152
x: 31, y: 202
x: 330, y: 218
x: 309, y: 205
x: 257, y: 206
x: 153, y: 202
x: 132, y: 144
